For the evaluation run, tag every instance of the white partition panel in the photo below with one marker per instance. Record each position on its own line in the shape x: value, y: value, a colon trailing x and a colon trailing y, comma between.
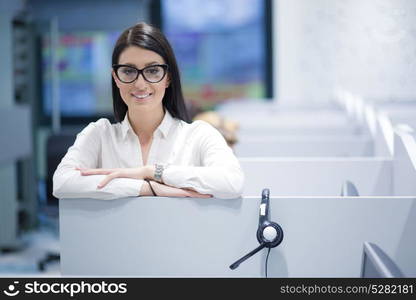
x: 404, y: 163
x: 317, y: 176
x: 400, y: 113
x: 265, y: 129
x: 305, y: 146
x: 282, y: 113
x: 247, y: 105
x: 384, y: 136
x: 406, y: 117
x: 293, y: 122
x: 370, y: 117
x: 168, y: 237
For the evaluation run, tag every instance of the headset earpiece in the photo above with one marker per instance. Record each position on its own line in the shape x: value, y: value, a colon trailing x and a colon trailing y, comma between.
x: 269, y: 234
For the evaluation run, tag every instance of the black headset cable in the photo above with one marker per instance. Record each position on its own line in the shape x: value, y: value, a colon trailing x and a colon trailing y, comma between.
x: 267, y: 259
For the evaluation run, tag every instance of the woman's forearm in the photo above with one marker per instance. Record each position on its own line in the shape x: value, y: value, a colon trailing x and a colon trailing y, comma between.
x: 145, y: 189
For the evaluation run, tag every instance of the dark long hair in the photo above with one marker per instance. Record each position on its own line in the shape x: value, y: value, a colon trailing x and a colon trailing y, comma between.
x: 150, y: 38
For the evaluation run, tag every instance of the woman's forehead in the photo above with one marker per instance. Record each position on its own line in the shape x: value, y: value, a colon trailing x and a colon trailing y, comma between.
x: 139, y: 57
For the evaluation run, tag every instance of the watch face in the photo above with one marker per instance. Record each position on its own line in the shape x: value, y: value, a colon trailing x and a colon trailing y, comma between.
x: 158, y: 172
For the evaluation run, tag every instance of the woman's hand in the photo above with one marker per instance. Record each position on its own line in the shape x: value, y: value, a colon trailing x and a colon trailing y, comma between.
x: 164, y: 190
x: 136, y: 173
x: 145, y: 172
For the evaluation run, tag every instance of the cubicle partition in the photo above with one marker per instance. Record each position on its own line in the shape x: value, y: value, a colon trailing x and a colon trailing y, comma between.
x: 403, y: 116
x: 391, y: 172
x: 177, y: 237
x: 254, y: 130
x: 240, y: 109
x: 305, y: 176
x: 324, y: 232
x: 383, y: 136
x: 310, y: 146
x: 279, y: 114
x: 399, y: 112
x: 404, y: 171
x: 293, y: 122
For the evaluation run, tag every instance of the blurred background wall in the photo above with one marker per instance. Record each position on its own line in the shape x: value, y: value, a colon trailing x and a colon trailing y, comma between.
x: 366, y: 47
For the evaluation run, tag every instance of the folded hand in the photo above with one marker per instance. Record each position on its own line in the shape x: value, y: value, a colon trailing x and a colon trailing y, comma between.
x: 136, y: 173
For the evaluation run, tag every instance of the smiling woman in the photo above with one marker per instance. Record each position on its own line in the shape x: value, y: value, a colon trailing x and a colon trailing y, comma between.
x: 152, y: 149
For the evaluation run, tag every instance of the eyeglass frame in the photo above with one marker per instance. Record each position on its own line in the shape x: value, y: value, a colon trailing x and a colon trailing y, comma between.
x: 140, y: 71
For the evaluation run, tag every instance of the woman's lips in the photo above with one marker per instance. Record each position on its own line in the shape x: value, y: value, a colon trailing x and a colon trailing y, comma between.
x: 141, y: 96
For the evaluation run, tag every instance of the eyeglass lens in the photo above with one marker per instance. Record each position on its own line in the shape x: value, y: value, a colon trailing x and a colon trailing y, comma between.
x: 150, y: 73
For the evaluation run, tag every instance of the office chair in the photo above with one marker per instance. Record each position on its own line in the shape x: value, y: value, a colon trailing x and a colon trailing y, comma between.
x: 349, y: 190
x: 56, y: 147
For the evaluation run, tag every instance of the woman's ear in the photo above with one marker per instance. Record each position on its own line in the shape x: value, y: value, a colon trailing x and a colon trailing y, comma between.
x: 115, y: 78
x: 168, y: 81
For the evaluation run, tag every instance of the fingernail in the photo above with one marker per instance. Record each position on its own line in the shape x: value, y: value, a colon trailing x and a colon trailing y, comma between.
x: 99, y: 186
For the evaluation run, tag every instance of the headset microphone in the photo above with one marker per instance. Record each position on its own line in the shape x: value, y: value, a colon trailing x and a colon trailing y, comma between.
x: 269, y: 234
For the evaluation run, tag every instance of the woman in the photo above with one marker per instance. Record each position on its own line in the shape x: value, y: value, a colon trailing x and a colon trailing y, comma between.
x: 152, y: 149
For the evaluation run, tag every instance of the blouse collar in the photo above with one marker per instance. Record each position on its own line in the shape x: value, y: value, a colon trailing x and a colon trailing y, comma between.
x: 163, y: 128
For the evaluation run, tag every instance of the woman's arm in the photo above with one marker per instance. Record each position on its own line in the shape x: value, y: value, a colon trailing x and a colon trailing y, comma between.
x: 219, y: 176
x: 68, y: 181
x: 160, y: 190
x: 220, y: 173
x: 163, y: 190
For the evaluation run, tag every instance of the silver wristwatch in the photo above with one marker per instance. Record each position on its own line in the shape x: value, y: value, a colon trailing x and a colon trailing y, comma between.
x: 159, y: 172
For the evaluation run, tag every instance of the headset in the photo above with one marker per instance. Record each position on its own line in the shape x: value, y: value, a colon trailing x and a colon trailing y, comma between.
x: 269, y: 234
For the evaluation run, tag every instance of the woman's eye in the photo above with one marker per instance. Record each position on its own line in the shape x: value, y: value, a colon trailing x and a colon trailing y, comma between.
x: 127, y: 71
x: 152, y: 70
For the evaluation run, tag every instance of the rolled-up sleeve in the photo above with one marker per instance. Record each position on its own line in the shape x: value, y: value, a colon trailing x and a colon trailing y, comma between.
x: 220, y: 173
x: 85, y: 153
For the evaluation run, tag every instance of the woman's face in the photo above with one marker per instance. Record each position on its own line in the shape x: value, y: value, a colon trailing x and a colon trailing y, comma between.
x: 141, y: 94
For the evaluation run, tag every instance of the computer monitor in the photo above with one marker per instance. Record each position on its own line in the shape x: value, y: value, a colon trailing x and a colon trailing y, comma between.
x: 84, y: 75
x: 205, y: 44
x: 377, y: 264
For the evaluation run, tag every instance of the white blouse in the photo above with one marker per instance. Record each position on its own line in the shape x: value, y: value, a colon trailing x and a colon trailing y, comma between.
x: 197, y: 156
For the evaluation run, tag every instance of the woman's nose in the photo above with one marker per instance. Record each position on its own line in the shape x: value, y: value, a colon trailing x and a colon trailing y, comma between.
x: 140, y: 82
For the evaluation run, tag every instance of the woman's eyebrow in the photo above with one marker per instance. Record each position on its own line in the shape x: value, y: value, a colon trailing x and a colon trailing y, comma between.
x: 128, y: 64
x: 146, y: 65
x: 152, y: 63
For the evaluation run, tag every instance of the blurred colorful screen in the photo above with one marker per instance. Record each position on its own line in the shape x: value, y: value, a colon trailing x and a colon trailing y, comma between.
x: 84, y: 76
x: 220, y: 47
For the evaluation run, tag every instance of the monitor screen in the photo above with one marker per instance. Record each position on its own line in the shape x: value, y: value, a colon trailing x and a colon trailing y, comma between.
x: 220, y: 47
x: 84, y: 73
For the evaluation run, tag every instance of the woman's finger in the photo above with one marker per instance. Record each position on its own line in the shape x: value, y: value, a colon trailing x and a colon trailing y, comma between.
x: 106, y: 180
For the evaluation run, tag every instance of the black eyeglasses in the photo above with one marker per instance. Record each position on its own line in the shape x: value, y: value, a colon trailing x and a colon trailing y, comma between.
x: 128, y: 74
